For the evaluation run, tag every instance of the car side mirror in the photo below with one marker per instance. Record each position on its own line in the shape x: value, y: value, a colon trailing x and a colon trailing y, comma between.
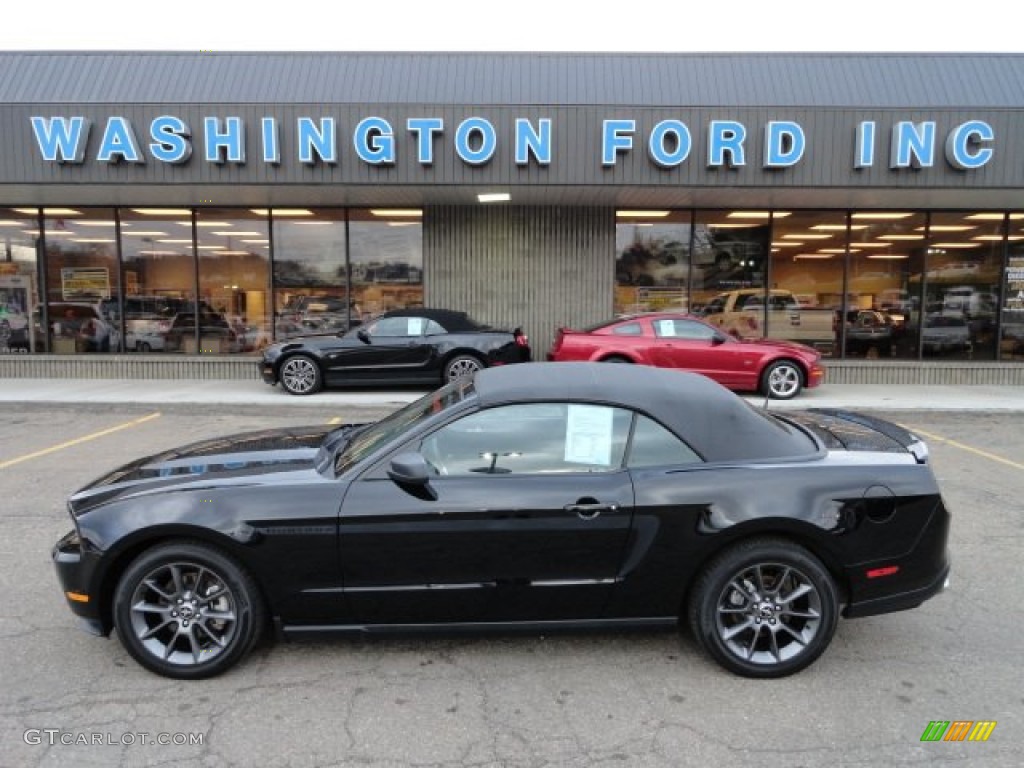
x: 363, y: 336
x: 411, y: 472
x: 409, y: 469
x: 718, y: 338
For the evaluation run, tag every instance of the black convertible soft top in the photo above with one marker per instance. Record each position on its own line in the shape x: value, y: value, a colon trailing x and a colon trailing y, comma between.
x: 449, y: 319
x: 717, y: 423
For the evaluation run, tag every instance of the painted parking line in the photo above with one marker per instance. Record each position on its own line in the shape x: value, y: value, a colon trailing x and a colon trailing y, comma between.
x: 335, y: 420
x: 962, y: 447
x: 78, y: 441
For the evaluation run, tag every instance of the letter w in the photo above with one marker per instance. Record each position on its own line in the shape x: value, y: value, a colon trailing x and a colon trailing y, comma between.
x: 60, y: 140
x: 935, y: 730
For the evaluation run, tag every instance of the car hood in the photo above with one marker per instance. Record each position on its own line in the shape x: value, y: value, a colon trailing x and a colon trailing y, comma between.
x: 241, y: 459
x: 780, y: 344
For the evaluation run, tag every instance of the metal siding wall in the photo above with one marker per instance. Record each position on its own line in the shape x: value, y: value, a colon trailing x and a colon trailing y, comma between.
x: 537, y: 268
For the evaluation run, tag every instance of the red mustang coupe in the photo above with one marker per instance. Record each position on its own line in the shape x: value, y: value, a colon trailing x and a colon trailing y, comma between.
x: 779, y: 369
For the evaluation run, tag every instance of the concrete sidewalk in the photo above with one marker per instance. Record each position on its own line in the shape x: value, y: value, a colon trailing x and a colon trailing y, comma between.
x: 885, y: 397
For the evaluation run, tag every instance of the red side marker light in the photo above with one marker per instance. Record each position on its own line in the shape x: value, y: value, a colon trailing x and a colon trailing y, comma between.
x: 888, y: 570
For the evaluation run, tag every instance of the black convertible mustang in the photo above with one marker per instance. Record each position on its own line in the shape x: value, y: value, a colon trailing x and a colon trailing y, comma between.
x: 405, y: 346
x: 540, y: 496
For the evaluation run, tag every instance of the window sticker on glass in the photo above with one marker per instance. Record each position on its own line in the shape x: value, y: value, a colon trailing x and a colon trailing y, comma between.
x: 666, y: 328
x: 415, y: 326
x: 588, y: 435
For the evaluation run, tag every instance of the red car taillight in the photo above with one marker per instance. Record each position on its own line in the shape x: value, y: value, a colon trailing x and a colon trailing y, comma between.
x: 521, y: 339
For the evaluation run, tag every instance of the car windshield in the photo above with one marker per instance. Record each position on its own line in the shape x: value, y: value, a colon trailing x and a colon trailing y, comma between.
x: 367, y: 440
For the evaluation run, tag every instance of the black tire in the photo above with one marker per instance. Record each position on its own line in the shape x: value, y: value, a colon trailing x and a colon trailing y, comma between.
x: 143, y: 346
x: 782, y: 380
x: 188, y: 611
x: 300, y: 375
x: 616, y: 359
x: 764, y: 608
x: 462, y: 365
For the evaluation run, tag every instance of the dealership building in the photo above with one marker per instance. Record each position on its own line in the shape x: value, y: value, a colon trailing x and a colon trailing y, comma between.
x: 166, y: 210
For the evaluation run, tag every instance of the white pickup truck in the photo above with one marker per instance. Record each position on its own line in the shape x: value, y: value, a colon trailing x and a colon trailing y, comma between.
x: 741, y: 313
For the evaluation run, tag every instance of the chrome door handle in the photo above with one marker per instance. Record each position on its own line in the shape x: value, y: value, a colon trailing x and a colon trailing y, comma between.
x: 589, y: 511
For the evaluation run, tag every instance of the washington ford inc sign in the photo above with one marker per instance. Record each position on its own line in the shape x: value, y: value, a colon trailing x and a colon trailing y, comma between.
x: 377, y: 141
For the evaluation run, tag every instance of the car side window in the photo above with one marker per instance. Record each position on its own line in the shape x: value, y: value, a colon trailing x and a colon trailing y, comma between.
x: 628, y: 329
x: 682, y: 329
x: 531, y: 438
x: 655, y: 446
x: 396, y: 326
x: 433, y: 328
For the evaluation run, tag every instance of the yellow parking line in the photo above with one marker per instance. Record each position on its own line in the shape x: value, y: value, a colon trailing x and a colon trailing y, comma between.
x: 335, y: 420
x: 962, y: 447
x: 77, y: 441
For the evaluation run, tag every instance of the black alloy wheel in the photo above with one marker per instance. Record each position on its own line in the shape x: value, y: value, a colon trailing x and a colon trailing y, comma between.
x: 782, y: 380
x: 764, y: 608
x: 300, y: 375
x: 187, y: 611
x: 461, y: 365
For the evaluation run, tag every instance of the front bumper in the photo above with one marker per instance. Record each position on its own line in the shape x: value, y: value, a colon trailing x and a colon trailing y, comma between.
x: 267, y: 372
x: 76, y: 569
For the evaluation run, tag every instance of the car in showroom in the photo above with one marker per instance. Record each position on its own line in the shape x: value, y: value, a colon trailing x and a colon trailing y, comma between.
x: 870, y: 333
x: 779, y: 369
x: 403, y: 346
x: 536, y: 496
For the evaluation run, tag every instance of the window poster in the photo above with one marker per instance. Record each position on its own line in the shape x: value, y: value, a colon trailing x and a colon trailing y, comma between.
x: 588, y: 435
x: 15, y: 311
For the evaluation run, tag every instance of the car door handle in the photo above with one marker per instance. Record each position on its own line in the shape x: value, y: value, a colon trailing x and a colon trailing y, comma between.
x: 589, y: 511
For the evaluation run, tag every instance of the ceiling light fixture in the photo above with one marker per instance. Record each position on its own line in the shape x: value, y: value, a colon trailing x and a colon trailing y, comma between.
x: 494, y: 197
x: 49, y: 211
x: 406, y: 212
x: 641, y: 214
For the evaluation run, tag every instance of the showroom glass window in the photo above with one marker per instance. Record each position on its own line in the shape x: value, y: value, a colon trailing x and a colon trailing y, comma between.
x: 1011, y: 340
x: 961, y: 285
x: 159, y: 276
x: 310, y: 273
x: 652, y: 260
x: 808, y: 250
x: 730, y: 252
x: 887, y: 257
x: 234, y: 311
x: 386, y: 260
x: 19, y: 289
x: 81, y: 278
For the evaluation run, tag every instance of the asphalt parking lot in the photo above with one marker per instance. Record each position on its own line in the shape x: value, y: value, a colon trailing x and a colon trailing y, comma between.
x: 625, y: 699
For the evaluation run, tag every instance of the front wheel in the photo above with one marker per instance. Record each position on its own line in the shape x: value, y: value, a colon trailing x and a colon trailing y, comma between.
x: 461, y: 365
x: 765, y: 608
x: 300, y: 375
x: 187, y: 611
x: 782, y: 380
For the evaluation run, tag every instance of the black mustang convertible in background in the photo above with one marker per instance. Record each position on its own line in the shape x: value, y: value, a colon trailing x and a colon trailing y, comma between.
x: 540, y: 496
x: 404, y: 346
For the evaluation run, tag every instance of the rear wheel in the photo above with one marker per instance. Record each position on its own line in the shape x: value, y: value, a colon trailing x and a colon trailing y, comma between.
x: 186, y: 610
x: 616, y: 359
x: 782, y: 380
x: 765, y: 608
x: 461, y: 365
x: 300, y: 375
